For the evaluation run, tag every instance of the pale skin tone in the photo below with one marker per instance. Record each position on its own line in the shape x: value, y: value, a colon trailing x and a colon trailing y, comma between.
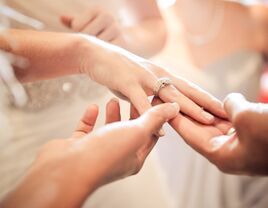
x: 242, y: 28
x: 130, y: 76
x: 148, y: 29
x: 243, y: 152
x: 88, y: 160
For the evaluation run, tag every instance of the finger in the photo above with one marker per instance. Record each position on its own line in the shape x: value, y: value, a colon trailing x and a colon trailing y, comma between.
x: 155, y: 118
x: 133, y: 112
x: 66, y: 20
x: 113, y: 111
x: 139, y: 99
x: 235, y: 103
x: 200, y: 97
x: 223, y: 125
x: 171, y: 94
x: 97, y: 25
x: 156, y: 101
x: 87, y: 122
x: 109, y: 34
x: 81, y: 21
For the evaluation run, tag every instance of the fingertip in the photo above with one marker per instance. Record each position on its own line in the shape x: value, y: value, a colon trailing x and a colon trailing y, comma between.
x: 113, y: 104
x: 168, y: 110
x: 176, y: 107
x: 114, y: 100
x: 208, y: 118
x: 233, y: 102
x: 66, y: 20
x: 93, y: 109
x: 233, y: 97
x: 113, y: 111
x: 157, y: 116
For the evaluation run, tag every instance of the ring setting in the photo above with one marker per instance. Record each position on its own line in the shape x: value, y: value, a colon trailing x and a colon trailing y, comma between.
x: 161, y: 83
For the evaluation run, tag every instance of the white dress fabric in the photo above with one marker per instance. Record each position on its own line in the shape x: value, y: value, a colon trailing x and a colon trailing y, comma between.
x: 178, y: 178
x: 53, y: 111
x: 192, y: 180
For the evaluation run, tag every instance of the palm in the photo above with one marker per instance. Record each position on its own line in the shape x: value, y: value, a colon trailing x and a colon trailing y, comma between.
x: 199, y: 135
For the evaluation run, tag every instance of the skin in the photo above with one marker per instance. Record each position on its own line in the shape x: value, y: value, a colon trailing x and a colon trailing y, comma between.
x: 243, y: 28
x: 66, y: 54
x: 243, y: 152
x: 113, y: 152
x: 148, y: 28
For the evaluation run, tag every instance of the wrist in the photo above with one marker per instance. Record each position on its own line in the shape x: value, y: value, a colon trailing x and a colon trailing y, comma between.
x: 89, y: 50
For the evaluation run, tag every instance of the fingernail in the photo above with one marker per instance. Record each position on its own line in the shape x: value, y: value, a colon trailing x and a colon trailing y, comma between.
x: 207, y: 116
x: 161, y: 132
x: 114, y: 99
x: 219, y: 141
x: 176, y: 107
x: 231, y: 131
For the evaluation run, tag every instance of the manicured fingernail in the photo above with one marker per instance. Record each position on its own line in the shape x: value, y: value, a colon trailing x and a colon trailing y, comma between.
x: 207, y: 116
x: 161, y: 132
x: 231, y: 131
x: 176, y: 107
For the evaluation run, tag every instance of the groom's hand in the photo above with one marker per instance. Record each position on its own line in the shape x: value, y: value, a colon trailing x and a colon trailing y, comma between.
x: 242, y: 152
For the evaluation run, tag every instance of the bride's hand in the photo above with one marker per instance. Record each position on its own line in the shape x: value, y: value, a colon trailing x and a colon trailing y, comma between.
x: 136, y: 78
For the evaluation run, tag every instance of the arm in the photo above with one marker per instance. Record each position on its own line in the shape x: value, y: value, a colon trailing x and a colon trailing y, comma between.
x: 56, y: 54
x: 238, y: 27
x: 48, y: 55
x: 145, y: 36
x: 67, y: 171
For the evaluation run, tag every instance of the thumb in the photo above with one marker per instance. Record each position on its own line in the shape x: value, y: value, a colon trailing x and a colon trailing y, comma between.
x: 155, y: 118
x: 235, y: 103
x: 66, y: 20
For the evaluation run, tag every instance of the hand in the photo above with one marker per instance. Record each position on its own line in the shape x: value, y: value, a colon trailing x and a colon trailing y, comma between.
x: 98, y: 22
x: 121, y: 71
x: 243, y: 152
x: 135, y: 78
x: 67, y: 171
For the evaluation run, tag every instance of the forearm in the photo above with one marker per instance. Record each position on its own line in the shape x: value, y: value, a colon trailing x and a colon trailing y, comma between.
x: 146, y: 38
x: 48, y: 55
x: 64, y: 181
